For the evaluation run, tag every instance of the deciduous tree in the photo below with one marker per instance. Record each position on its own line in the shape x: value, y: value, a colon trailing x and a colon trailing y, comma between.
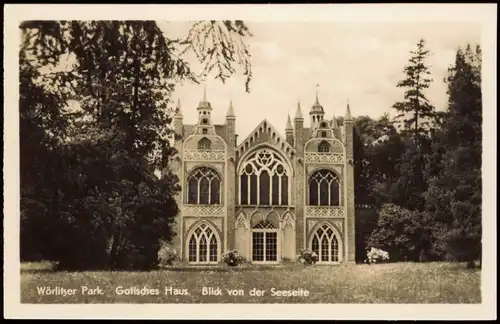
x: 107, y: 208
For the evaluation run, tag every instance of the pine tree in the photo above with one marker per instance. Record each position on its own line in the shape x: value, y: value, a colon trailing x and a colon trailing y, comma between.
x: 418, y: 118
x: 416, y: 112
x: 453, y: 201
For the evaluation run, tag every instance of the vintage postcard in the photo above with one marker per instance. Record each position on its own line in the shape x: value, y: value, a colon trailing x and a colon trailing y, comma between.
x: 250, y: 161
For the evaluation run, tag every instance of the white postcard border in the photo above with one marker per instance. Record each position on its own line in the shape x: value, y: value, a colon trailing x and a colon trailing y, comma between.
x: 483, y: 14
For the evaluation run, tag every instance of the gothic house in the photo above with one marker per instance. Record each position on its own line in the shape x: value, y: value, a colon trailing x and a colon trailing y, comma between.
x: 269, y: 196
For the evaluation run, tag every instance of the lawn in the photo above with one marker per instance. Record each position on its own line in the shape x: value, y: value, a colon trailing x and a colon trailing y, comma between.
x: 383, y: 283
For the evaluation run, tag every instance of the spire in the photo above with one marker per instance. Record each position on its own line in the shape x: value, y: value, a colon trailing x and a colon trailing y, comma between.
x: 289, y: 123
x: 204, y: 103
x: 334, y: 122
x: 348, y: 115
x: 317, y: 108
x: 178, y: 111
x: 230, y: 111
x: 317, y: 100
x: 298, y: 113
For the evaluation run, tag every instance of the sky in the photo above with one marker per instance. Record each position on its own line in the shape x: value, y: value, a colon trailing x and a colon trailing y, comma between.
x: 359, y: 63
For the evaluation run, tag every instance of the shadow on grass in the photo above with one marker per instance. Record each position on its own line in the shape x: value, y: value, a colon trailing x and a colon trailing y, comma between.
x: 51, y: 267
x: 224, y: 268
x: 48, y: 267
x: 33, y: 271
x: 38, y: 267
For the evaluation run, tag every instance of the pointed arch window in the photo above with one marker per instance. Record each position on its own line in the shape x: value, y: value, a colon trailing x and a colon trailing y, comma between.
x: 204, y: 187
x: 264, y: 180
x: 325, y: 243
x: 204, y: 144
x: 324, y: 147
x: 203, y: 245
x: 324, y: 189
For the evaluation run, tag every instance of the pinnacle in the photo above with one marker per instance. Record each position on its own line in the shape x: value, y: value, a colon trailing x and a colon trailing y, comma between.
x: 334, y: 122
x: 178, y: 111
x: 289, y: 124
x: 230, y: 111
x: 348, y: 115
x: 298, y: 113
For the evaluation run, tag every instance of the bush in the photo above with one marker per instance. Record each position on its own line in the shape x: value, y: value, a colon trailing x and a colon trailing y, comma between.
x: 307, y: 256
x: 232, y: 258
x: 377, y: 255
x: 167, y: 255
x: 401, y: 232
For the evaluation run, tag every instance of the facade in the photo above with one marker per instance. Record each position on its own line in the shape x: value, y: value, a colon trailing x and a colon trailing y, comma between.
x: 268, y: 197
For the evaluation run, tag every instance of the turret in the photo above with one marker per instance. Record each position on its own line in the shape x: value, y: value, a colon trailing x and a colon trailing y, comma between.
x: 298, y: 192
x: 317, y: 113
x: 349, y: 184
x: 204, y: 110
x: 176, y: 166
x: 230, y: 184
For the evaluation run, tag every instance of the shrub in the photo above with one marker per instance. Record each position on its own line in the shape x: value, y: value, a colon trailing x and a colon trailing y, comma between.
x: 401, y: 232
x: 167, y: 255
x: 377, y: 255
x: 307, y: 256
x: 232, y: 258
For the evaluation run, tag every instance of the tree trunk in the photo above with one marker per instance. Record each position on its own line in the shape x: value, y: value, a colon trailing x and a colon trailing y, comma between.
x: 135, y: 104
x: 114, y: 248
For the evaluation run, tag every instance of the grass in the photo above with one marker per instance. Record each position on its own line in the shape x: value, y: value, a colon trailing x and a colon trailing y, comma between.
x: 383, y: 283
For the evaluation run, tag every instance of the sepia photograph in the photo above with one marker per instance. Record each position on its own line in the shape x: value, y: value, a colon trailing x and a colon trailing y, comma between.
x: 195, y: 158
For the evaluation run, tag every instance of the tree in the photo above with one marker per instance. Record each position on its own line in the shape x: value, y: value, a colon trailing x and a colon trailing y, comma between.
x: 400, y: 232
x: 42, y: 125
x: 453, y: 199
x: 416, y: 112
x: 225, y: 46
x: 377, y: 147
x: 107, y: 208
x: 418, y: 118
x: 377, y: 150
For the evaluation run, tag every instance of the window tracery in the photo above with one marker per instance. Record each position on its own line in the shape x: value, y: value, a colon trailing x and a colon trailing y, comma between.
x: 203, y: 245
x: 324, y: 189
x: 264, y: 180
x: 325, y: 244
x: 204, y: 186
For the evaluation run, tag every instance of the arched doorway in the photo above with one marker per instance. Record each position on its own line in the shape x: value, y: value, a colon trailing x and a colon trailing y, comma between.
x: 326, y: 242
x: 203, y: 244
